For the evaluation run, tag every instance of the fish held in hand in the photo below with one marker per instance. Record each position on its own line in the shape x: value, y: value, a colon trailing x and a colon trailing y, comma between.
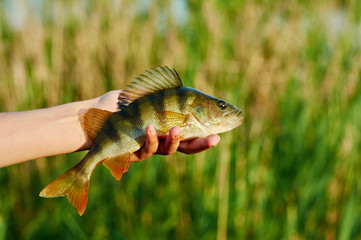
x: 156, y: 97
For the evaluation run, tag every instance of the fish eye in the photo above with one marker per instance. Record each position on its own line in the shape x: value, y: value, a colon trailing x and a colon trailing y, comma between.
x: 222, y: 104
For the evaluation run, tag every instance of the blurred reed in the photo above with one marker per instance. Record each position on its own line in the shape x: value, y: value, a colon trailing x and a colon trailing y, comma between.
x: 290, y: 172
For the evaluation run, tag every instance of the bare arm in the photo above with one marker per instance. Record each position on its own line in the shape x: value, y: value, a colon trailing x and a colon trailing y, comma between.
x: 57, y: 130
x: 40, y: 133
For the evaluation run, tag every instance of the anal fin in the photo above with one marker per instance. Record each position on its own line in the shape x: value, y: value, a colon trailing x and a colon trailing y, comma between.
x: 118, y: 165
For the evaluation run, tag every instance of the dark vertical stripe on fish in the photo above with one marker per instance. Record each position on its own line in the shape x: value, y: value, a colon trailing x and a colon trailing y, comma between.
x: 131, y: 124
x: 135, y: 116
x: 95, y: 149
x: 130, y: 115
x: 181, y: 98
x: 157, y: 102
x: 111, y: 131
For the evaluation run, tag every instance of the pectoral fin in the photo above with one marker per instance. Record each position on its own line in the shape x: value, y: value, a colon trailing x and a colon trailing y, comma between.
x: 118, y: 165
x: 172, y: 119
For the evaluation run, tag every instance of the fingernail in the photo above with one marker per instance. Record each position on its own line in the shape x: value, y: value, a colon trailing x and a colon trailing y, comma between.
x: 215, y: 141
x: 176, y: 136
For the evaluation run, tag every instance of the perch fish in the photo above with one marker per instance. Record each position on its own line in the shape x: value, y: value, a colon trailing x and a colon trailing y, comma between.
x: 156, y: 97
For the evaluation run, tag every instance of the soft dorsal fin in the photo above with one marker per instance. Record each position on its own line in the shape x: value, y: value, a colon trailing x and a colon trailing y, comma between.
x: 152, y: 81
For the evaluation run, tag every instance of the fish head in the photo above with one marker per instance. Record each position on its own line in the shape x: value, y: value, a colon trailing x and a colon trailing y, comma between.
x: 216, y: 115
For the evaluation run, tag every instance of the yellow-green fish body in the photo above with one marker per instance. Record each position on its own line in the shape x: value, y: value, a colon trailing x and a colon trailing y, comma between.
x: 156, y: 97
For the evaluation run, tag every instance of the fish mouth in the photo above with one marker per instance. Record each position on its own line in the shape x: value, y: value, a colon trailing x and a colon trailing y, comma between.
x: 235, y: 116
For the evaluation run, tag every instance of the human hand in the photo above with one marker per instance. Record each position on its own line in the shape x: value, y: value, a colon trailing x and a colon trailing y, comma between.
x: 172, y: 144
x: 108, y: 101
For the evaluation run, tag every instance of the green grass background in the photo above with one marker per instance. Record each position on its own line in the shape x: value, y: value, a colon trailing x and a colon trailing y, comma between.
x: 291, y: 171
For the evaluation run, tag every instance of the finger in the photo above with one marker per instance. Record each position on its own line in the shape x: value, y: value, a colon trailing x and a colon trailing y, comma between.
x: 150, y: 147
x: 199, y: 144
x: 171, y: 143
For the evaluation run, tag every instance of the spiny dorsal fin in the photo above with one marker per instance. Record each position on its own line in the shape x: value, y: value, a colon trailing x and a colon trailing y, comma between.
x: 152, y: 81
x: 93, y: 121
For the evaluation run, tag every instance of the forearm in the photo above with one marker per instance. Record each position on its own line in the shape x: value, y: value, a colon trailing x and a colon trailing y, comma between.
x: 40, y: 133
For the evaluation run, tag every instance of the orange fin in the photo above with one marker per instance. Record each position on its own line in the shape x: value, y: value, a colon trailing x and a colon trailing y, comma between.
x: 118, y: 165
x: 73, y: 183
x: 93, y: 121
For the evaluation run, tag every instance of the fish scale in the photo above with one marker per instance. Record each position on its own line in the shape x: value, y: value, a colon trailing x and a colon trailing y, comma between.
x: 156, y: 97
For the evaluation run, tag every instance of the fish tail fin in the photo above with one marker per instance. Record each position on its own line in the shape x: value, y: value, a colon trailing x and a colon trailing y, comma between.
x: 74, y: 183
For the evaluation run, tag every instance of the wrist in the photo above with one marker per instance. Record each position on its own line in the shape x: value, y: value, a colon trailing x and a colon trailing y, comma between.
x: 67, y: 118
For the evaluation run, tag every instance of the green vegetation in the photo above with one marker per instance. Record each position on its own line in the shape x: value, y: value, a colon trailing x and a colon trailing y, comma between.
x: 291, y: 171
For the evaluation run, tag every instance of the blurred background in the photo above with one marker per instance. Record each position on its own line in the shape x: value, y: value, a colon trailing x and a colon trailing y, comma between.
x: 291, y: 171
